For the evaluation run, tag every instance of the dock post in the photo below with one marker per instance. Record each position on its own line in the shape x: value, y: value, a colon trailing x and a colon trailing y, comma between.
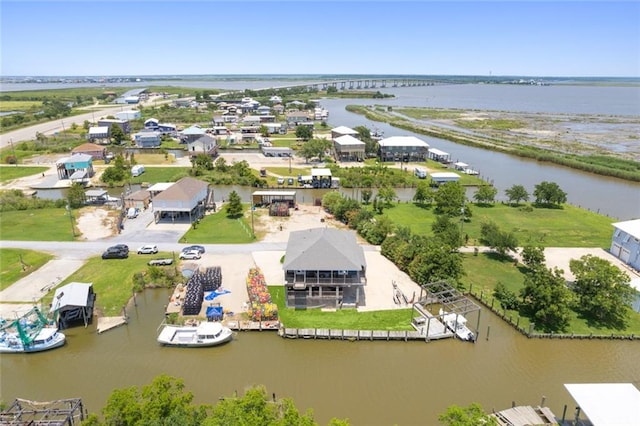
x: 564, y: 413
x: 544, y: 398
x: 488, y: 330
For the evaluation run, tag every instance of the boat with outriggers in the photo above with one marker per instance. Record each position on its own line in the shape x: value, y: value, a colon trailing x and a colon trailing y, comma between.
x: 458, y: 324
x: 204, y: 334
x: 32, y: 332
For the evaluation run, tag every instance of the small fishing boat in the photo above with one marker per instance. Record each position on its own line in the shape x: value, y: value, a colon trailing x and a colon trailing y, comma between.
x: 205, y: 334
x: 458, y: 324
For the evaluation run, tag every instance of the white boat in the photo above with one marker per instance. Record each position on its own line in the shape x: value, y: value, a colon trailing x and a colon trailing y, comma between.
x: 47, y: 338
x: 203, y: 335
x: 458, y: 324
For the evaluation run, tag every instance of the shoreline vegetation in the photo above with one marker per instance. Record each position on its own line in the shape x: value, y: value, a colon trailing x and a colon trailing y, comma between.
x: 497, y: 134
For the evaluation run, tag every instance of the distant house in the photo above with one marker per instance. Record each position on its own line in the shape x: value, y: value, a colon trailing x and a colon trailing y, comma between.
x: 203, y: 145
x: 128, y: 115
x: 625, y: 244
x: 348, y: 148
x: 185, y: 201
x: 403, y: 148
x: 336, y: 132
x: 278, y: 109
x: 295, y: 118
x: 123, y: 124
x: 139, y: 200
x: 440, y: 178
x: 439, y: 155
x: 251, y: 120
x: 191, y: 134
x: 96, y: 152
x: 77, y: 168
x: 163, y: 128
x: 263, y: 110
x: 99, y: 134
x: 275, y: 99
x: 324, y: 267
x: 148, y: 139
x: 151, y: 124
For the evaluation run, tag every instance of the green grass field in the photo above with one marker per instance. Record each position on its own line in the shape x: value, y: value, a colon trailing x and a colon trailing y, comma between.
x: 112, y: 279
x: 344, y: 319
x: 18, y: 263
x: 486, y: 270
x: 161, y: 174
x: 6, y: 106
x: 37, y: 225
x: 567, y: 227
x: 8, y: 173
x: 218, y: 228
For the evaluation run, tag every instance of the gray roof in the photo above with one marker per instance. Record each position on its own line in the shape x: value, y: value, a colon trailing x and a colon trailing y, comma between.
x: 324, y: 249
x: 72, y: 294
x: 184, y: 190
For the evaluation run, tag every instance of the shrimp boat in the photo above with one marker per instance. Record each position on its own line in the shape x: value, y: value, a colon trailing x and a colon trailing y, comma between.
x: 30, y: 333
x: 205, y: 334
x: 458, y: 324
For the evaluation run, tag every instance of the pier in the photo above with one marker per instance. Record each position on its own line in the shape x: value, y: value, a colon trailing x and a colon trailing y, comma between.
x: 354, y: 335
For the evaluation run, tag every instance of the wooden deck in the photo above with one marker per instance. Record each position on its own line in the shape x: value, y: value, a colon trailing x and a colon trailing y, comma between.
x: 353, y: 335
x: 107, y: 323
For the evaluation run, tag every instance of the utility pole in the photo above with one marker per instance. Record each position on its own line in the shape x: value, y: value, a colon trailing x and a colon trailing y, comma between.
x: 73, y: 231
x: 14, y: 151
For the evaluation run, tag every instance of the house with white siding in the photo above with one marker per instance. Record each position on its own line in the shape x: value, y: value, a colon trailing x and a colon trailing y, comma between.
x: 625, y: 244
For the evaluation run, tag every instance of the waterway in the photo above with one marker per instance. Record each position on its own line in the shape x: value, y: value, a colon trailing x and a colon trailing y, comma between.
x: 371, y: 383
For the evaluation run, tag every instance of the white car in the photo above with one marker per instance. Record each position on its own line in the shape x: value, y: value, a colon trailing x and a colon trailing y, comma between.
x: 190, y: 255
x: 148, y: 249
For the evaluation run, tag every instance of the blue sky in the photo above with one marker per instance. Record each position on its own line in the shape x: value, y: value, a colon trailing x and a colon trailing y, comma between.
x: 544, y: 38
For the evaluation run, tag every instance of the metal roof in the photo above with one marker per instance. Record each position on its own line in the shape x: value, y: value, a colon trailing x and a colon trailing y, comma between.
x: 438, y: 152
x: 403, y: 141
x: 344, y: 130
x: 631, y: 227
x: 274, y: 193
x: 160, y: 186
x: 348, y: 140
x: 607, y: 404
x: 321, y: 172
x: 72, y: 294
x: 184, y: 190
x: 324, y: 249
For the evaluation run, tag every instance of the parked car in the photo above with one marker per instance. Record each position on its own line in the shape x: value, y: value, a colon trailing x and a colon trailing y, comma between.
x: 114, y: 253
x: 132, y: 213
x: 280, y: 180
x: 290, y: 181
x: 160, y: 262
x: 122, y: 247
x: 148, y: 249
x: 199, y: 249
x: 190, y: 255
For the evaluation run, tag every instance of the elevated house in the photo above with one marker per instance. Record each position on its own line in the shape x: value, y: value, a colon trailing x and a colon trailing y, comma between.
x: 336, y: 132
x: 183, y: 202
x: 99, y: 134
x: 128, y: 115
x: 625, y: 244
x: 139, y: 200
x: 163, y: 128
x: 297, y: 118
x: 96, y: 152
x: 403, y: 148
x: 147, y: 139
x: 203, y: 145
x: 191, y: 134
x: 348, y: 148
x: 73, y: 304
x: 123, y: 124
x: 77, y: 168
x: 324, y: 267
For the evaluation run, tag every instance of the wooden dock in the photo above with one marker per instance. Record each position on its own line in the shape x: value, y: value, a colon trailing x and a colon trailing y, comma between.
x: 107, y: 323
x: 354, y: 335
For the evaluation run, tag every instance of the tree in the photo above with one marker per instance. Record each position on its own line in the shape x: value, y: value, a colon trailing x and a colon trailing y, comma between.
x: 546, y: 298
x: 493, y: 237
x: 473, y: 415
x: 424, y: 193
x: 314, y: 148
x: 116, y: 134
x: 486, y: 194
x: 603, y: 290
x: 76, y: 196
x: 304, y: 132
x: 450, y: 199
x: 533, y: 256
x: 387, y: 194
x: 516, y: 194
x: 507, y: 298
x: 434, y: 261
x: 203, y: 162
x: 447, y: 231
x: 234, y: 208
x: 548, y: 193
x: 330, y: 200
x: 163, y: 402
x: 366, y: 196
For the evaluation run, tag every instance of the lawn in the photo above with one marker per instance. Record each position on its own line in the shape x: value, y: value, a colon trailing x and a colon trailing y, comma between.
x: 284, y: 171
x: 161, y: 174
x: 8, y: 173
x: 51, y: 224
x: 112, y: 279
x: 486, y: 270
x: 342, y: 319
x: 218, y: 228
x: 566, y: 227
x: 6, y: 106
x: 18, y: 263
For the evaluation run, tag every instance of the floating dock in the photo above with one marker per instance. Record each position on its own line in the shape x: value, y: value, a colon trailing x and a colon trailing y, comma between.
x: 353, y: 335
